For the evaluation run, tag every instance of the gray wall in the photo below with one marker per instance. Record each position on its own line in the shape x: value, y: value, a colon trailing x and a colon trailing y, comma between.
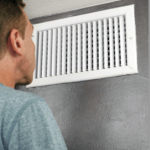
x: 39, y: 8
x: 104, y: 114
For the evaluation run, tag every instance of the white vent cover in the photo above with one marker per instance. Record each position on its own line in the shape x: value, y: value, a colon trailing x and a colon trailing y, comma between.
x: 90, y: 46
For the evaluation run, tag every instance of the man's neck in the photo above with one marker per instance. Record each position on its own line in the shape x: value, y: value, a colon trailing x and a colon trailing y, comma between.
x: 7, y: 73
x: 6, y: 78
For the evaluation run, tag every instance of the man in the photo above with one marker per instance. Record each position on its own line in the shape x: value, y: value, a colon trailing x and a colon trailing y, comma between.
x: 26, y: 122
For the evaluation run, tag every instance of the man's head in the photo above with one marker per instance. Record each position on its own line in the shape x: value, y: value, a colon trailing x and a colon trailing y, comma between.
x: 16, y: 46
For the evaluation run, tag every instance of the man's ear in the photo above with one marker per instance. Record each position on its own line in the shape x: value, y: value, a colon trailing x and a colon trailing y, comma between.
x: 15, y: 42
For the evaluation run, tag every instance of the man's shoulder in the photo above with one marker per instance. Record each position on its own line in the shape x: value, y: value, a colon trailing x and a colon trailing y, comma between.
x: 13, y: 103
x: 11, y: 95
x: 13, y: 100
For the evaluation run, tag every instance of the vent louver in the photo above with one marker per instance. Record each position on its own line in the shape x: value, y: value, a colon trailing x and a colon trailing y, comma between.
x: 90, y: 46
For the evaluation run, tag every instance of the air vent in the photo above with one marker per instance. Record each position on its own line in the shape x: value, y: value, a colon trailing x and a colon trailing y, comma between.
x: 90, y: 46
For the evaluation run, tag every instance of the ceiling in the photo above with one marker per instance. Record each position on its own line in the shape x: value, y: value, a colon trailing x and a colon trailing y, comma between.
x: 39, y: 8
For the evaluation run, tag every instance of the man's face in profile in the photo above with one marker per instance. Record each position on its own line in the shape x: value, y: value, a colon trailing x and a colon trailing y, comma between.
x: 29, y: 53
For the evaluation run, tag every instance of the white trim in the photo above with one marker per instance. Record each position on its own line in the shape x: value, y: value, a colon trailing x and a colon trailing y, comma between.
x: 82, y: 76
x: 131, y: 39
x: 127, y: 11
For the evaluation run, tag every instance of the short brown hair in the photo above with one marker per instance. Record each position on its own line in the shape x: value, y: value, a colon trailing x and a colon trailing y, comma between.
x: 11, y: 16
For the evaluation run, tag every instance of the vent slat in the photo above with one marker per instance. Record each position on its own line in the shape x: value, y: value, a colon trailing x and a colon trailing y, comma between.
x: 105, y: 45
x: 39, y: 55
x: 122, y: 40
x: 44, y: 54
x: 36, y: 62
x: 84, y: 47
x: 54, y: 53
x: 89, y: 47
x: 69, y: 51
x: 100, y: 44
x: 111, y: 43
x: 49, y: 53
x: 59, y: 52
x: 73, y: 49
x: 94, y: 45
x: 64, y: 51
x: 79, y: 47
x: 116, y: 41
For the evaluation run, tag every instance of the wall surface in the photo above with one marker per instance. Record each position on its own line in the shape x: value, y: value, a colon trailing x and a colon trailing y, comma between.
x: 39, y: 8
x: 104, y: 114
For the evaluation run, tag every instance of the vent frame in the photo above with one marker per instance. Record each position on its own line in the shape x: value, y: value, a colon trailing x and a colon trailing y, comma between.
x: 131, y: 68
